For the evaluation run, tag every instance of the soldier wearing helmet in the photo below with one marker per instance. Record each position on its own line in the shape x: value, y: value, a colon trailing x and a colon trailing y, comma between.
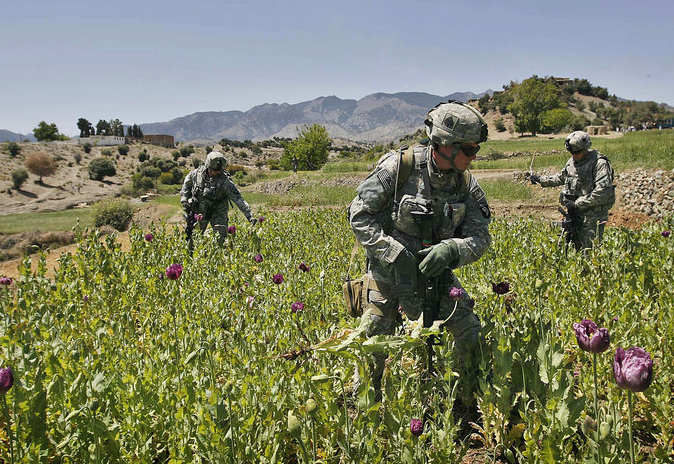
x: 430, y: 180
x: 207, y: 192
x: 588, y: 189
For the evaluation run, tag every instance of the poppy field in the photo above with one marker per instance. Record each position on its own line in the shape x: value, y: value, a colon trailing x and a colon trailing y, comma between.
x: 245, y: 353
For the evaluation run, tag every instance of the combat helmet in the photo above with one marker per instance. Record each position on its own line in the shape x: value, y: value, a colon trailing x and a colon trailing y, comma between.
x: 216, y: 161
x: 455, y: 122
x: 577, y: 141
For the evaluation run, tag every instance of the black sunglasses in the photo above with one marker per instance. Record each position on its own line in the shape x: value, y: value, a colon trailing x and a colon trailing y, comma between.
x: 571, y: 150
x: 468, y: 150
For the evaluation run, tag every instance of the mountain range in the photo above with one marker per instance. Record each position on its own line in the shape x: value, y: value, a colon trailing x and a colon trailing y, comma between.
x: 9, y: 136
x: 378, y: 117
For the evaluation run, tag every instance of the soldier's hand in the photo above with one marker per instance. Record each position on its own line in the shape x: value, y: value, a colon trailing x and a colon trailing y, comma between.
x: 438, y: 258
x: 187, y: 207
x: 571, y: 207
x: 252, y: 220
x: 534, y: 179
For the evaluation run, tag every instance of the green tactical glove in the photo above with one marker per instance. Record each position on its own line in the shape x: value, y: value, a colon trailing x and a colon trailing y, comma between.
x: 439, y: 257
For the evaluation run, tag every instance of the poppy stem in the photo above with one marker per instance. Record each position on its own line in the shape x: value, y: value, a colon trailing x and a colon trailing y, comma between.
x: 596, y: 408
x: 9, y: 429
x: 629, y: 405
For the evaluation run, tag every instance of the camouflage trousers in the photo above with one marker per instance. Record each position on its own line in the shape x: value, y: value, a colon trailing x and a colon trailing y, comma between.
x: 463, y: 324
x: 219, y: 224
x: 591, y: 230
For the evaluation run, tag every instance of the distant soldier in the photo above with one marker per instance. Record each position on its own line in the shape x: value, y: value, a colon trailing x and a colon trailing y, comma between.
x: 207, y: 192
x: 588, y: 193
x: 419, y: 215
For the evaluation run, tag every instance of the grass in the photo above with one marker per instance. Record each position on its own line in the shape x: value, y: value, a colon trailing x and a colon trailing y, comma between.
x: 50, y: 221
x: 304, y: 196
x: 643, y: 149
x: 502, y: 189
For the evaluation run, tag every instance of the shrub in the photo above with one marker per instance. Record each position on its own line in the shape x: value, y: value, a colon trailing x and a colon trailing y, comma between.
x: 19, y: 176
x: 182, y: 162
x: 597, y: 122
x: 78, y: 157
x: 142, y: 183
x: 143, y: 156
x: 41, y: 164
x: 196, y: 162
x: 101, y: 167
x: 578, y: 122
x: 243, y: 154
x: 166, y: 178
x: 274, y: 164
x: 499, y: 124
x: 234, y: 168
x: 12, y: 148
x: 178, y: 175
x: 186, y: 151
x: 175, y: 154
x: 123, y: 150
x: 106, y: 152
x: 150, y: 171
x: 259, y: 164
x: 116, y: 213
x: 86, y: 147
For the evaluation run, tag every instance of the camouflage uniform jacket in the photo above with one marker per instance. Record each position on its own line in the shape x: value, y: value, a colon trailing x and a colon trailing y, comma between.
x: 211, y: 195
x: 460, y: 211
x: 590, y: 180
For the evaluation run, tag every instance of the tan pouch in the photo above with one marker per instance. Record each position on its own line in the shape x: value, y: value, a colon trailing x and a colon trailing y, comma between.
x: 353, y: 296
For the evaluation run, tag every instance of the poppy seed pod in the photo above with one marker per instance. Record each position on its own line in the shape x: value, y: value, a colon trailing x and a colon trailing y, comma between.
x: 633, y: 369
x: 590, y: 337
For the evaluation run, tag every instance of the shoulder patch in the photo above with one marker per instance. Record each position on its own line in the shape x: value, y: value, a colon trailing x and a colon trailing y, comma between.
x: 386, y: 180
x: 484, y: 209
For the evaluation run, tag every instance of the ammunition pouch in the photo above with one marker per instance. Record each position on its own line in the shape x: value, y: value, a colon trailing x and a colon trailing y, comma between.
x: 355, y: 295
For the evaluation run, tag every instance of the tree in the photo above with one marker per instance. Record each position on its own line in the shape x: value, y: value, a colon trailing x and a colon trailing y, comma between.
x: 12, y: 148
x: 85, y: 127
x: 101, y: 167
x: 310, y: 149
x: 19, y: 176
x: 41, y: 164
x: 532, y: 98
x: 116, y: 128
x: 103, y: 128
x: 46, y: 132
x: 555, y: 120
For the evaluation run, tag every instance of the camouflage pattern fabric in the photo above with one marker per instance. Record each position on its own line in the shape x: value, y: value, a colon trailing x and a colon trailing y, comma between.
x: 591, y: 181
x: 461, y: 215
x: 210, y: 197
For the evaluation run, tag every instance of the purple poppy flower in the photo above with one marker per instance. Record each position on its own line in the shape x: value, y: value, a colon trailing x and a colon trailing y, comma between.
x: 258, y: 258
x: 278, y: 278
x: 6, y: 379
x: 85, y: 298
x: 455, y: 293
x: 304, y: 267
x: 199, y: 217
x: 416, y: 427
x: 666, y: 233
x: 297, y: 307
x: 250, y: 301
x: 149, y: 237
x: 501, y: 288
x: 590, y: 337
x: 633, y: 369
x: 261, y: 219
x: 231, y: 230
x: 6, y: 281
x: 173, y: 271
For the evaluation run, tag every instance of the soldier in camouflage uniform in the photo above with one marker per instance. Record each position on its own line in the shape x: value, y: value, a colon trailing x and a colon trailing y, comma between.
x: 208, y: 190
x: 382, y: 217
x: 588, y: 188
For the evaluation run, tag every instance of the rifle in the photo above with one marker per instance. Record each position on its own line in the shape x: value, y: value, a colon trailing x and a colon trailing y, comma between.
x: 571, y: 223
x: 424, y: 217
x: 190, y: 222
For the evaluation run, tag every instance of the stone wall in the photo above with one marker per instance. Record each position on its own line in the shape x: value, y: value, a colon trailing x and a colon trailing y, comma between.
x: 647, y: 192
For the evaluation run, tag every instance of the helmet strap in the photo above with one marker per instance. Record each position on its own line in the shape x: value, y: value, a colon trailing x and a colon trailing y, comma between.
x: 449, y: 159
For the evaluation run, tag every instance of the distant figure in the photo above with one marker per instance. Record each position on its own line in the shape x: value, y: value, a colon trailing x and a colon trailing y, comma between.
x: 207, y: 191
x: 295, y: 164
x: 588, y: 191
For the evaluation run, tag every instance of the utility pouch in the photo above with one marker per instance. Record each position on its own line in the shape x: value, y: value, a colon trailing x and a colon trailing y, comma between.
x: 355, y: 296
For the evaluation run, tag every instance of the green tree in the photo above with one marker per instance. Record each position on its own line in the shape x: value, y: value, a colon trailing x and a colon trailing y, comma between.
x: 101, y: 167
x: 41, y: 164
x: 12, y: 148
x: 103, y: 127
x: 19, y: 176
x: 46, y: 132
x: 310, y: 149
x: 116, y: 128
x: 555, y: 120
x: 85, y: 127
x: 532, y: 98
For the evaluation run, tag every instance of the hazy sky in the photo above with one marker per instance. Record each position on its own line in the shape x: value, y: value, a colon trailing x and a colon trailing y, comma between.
x: 149, y: 60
